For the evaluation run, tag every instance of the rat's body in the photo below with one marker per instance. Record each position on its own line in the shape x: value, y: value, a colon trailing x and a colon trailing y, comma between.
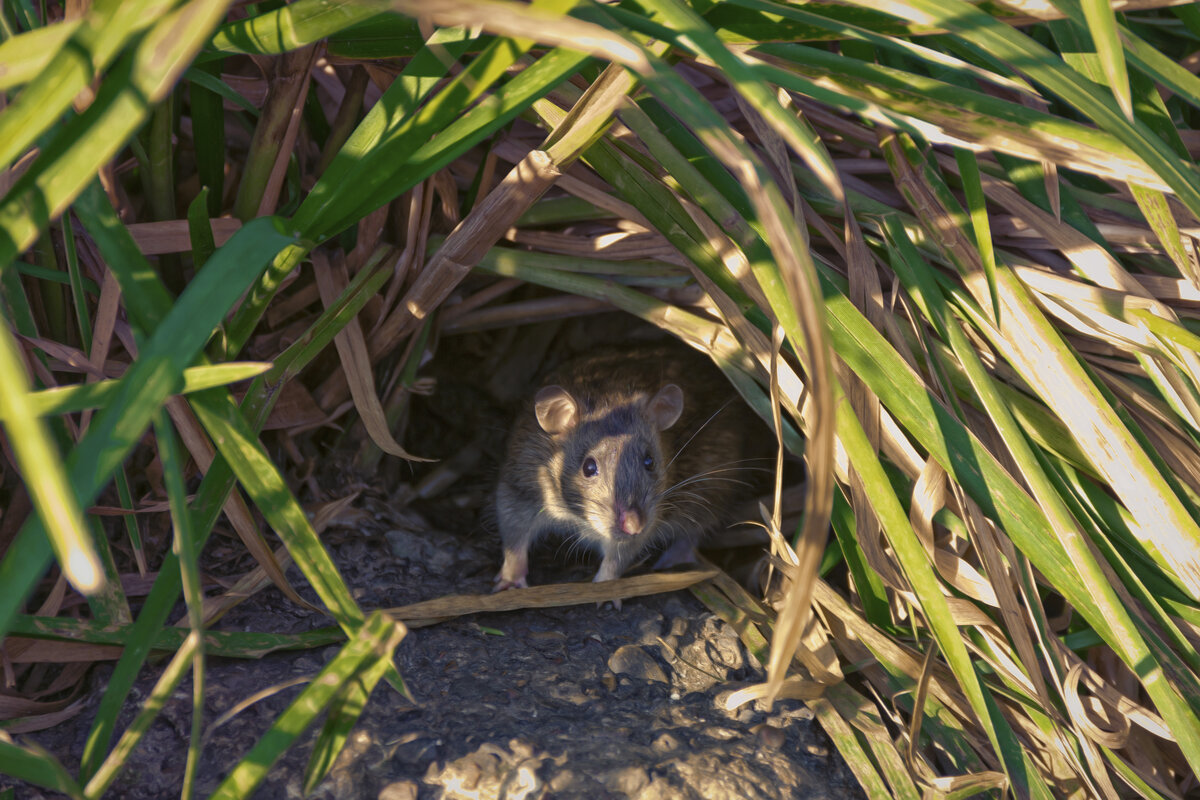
x: 622, y: 449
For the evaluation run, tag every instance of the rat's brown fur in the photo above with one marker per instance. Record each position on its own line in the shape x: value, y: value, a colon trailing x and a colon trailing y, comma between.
x: 617, y: 408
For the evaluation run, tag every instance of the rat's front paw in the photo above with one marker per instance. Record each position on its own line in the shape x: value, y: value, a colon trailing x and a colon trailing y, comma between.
x: 503, y: 583
x: 608, y: 571
x: 512, y: 573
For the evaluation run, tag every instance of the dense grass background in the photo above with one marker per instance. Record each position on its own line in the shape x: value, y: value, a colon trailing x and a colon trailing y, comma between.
x: 950, y: 248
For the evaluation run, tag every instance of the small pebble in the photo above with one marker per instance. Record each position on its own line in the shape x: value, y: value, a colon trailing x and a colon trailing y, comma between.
x: 666, y: 743
x: 628, y: 781
x: 769, y: 737
x: 400, y: 790
x: 635, y: 662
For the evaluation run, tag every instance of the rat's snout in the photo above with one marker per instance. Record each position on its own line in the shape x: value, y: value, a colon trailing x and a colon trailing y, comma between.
x: 629, y: 519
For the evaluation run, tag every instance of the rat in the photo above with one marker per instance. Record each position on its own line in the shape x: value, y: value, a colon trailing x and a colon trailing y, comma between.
x: 623, y: 449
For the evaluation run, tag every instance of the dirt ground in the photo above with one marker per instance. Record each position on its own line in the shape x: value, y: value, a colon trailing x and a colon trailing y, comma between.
x: 579, y: 702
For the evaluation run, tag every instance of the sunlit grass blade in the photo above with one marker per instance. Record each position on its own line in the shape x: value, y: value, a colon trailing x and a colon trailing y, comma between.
x: 263, y: 482
x: 1038, y: 352
x: 174, y: 344
x: 139, y: 79
x: 344, y: 712
x: 45, y: 476
x: 294, y: 26
x: 1102, y: 24
x: 37, y: 767
x: 188, y: 553
x: 24, y: 56
x: 372, y: 644
x: 1042, y: 66
x: 95, y: 42
x: 949, y: 114
x: 174, y: 672
x: 79, y: 397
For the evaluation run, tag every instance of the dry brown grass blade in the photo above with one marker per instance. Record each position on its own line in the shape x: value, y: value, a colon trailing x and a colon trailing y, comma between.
x: 524, y: 313
x: 355, y: 360
x: 31, y: 716
x: 172, y: 236
x: 246, y: 587
x: 416, y: 220
x: 547, y: 596
x: 467, y: 243
x: 790, y: 689
x: 929, y: 497
x: 617, y: 246
x: 819, y: 455
x: 1004, y: 584
x: 275, y: 135
x: 854, y: 630
x: 102, y: 334
x: 580, y: 183
x: 235, y: 508
x: 42, y: 651
x: 257, y: 579
x: 527, y: 181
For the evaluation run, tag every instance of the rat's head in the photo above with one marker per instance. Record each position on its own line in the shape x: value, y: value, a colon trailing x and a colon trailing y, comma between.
x: 613, y: 468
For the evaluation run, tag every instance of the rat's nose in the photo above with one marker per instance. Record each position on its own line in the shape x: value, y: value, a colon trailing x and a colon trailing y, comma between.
x: 629, y: 520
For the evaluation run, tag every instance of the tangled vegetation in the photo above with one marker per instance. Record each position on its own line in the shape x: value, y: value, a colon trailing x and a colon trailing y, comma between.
x: 949, y: 248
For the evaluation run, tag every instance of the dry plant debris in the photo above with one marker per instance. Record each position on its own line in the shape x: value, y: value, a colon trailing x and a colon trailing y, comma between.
x: 948, y: 252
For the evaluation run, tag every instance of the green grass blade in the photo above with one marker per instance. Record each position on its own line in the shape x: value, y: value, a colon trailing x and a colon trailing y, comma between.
x: 1102, y: 24
x: 388, y: 36
x: 171, y: 456
x: 168, y: 639
x: 208, y: 131
x: 164, y: 687
x: 867, y: 584
x: 45, y: 477
x: 919, y: 572
x: 141, y: 77
x: 80, y: 397
x: 37, y: 767
x: 175, y: 343
x: 25, y: 55
x: 200, y: 229
x: 205, y: 77
x: 294, y: 26
x: 149, y: 303
x: 381, y: 147
x: 344, y: 712
x: 1044, y: 67
x: 977, y: 207
x: 388, y: 156
x: 373, y: 643
x: 93, y: 45
x: 261, y: 479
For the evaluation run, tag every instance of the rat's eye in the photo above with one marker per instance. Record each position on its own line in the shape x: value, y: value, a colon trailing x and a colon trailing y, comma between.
x: 648, y: 462
x: 589, y: 467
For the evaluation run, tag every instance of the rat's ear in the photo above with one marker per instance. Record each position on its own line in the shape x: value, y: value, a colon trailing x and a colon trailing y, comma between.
x: 556, y: 410
x: 666, y: 406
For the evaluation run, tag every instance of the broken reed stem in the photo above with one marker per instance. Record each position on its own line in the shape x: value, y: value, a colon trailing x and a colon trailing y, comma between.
x: 470, y: 240
x: 549, y: 596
